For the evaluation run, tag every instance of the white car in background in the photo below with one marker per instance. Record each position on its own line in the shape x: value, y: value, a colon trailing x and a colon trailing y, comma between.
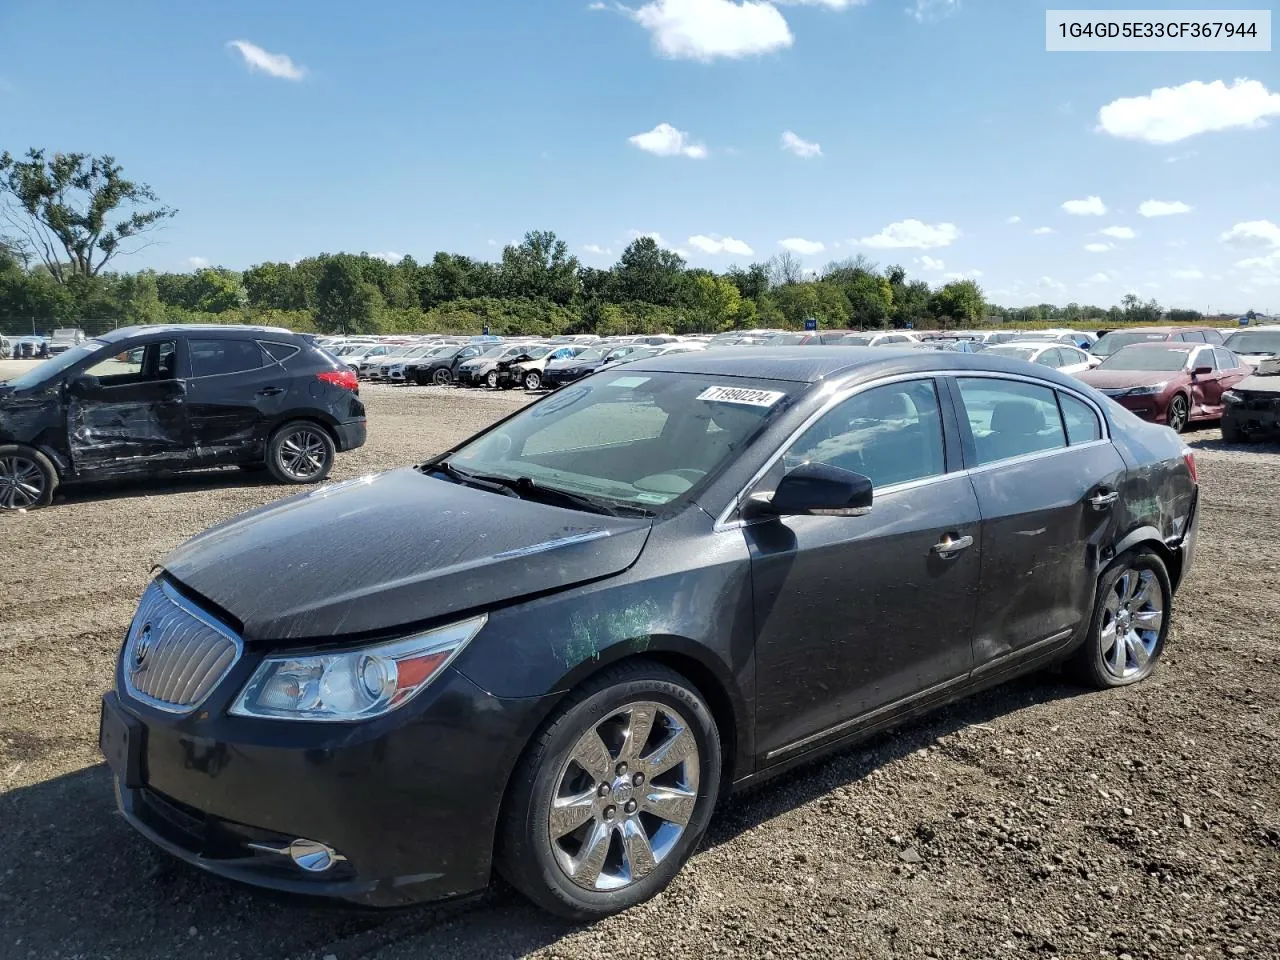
x: 886, y: 339
x: 1062, y: 357
x: 1254, y: 345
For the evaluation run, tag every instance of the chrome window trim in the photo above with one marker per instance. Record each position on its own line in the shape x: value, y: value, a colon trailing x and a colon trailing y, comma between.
x: 195, y: 612
x: 723, y: 523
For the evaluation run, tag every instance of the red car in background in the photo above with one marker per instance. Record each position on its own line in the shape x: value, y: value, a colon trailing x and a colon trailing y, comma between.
x: 1169, y: 382
x: 1109, y: 343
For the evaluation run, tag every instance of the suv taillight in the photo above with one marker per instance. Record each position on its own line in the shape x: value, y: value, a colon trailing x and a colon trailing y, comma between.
x: 1189, y: 458
x: 345, y: 379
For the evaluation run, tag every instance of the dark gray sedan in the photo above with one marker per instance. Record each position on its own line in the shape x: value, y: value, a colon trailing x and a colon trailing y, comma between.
x: 555, y: 647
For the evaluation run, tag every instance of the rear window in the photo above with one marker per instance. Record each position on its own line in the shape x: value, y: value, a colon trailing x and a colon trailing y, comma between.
x: 211, y: 358
x: 279, y: 352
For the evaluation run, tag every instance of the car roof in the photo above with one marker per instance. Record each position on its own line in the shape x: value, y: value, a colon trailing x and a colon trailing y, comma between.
x: 816, y: 364
x: 1158, y: 329
x: 124, y: 333
x: 1167, y: 345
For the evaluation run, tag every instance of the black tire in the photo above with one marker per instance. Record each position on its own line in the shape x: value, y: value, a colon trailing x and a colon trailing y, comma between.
x: 300, y: 452
x: 27, y: 478
x: 1178, y: 415
x: 533, y: 380
x: 1097, y: 662
x: 525, y: 855
x: 491, y: 378
x: 442, y: 377
x: 1231, y: 433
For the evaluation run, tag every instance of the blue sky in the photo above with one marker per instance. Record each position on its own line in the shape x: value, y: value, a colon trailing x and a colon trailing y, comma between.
x: 921, y: 128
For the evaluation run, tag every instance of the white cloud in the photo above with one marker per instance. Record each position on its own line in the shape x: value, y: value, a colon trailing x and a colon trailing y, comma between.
x: 1099, y: 247
x: 1170, y: 114
x: 389, y: 256
x: 930, y: 263
x: 658, y: 239
x: 716, y: 245
x: 596, y: 249
x: 1162, y: 208
x: 1190, y: 273
x: 1177, y: 243
x: 1119, y: 233
x: 197, y: 262
x: 664, y: 140
x: 829, y: 4
x: 962, y: 275
x: 1048, y: 283
x: 1098, y: 277
x: 1253, y: 233
x: 275, y: 64
x: 913, y: 234
x: 806, y: 248
x: 1014, y: 219
x: 923, y: 10
x: 1179, y: 157
x: 1042, y: 231
x: 1089, y: 207
x: 707, y: 29
x: 597, y: 5
x: 800, y: 147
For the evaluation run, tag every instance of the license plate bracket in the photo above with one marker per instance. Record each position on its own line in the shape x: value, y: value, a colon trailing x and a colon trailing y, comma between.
x: 120, y: 738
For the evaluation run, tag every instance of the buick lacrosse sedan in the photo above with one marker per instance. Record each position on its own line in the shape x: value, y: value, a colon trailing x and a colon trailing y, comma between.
x: 551, y: 650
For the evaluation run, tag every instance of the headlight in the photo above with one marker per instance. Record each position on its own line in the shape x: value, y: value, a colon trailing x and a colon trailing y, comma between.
x: 1148, y: 390
x: 1231, y: 397
x: 352, y: 684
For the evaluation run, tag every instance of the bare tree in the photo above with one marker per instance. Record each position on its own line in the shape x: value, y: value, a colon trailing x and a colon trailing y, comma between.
x: 785, y: 269
x: 60, y: 206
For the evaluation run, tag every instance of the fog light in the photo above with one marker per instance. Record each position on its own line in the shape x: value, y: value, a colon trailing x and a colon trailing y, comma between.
x: 312, y: 856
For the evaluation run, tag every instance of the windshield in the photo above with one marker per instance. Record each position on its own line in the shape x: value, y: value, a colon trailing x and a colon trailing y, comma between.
x: 786, y: 339
x: 1114, y: 341
x: 494, y: 352
x: 51, y: 368
x: 855, y: 341
x: 1017, y: 353
x: 1146, y: 358
x: 1254, y: 341
x: 643, y: 439
x: 595, y: 353
x: 536, y: 353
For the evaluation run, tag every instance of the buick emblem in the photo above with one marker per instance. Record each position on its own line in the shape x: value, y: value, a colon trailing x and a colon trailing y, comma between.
x: 143, y: 649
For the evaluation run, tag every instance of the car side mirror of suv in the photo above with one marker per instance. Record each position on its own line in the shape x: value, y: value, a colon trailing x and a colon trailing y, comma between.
x: 817, y: 490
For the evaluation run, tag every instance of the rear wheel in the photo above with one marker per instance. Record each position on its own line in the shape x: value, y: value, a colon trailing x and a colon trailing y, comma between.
x: 442, y: 378
x: 1177, y: 418
x: 1131, y: 619
x: 27, y: 479
x: 533, y: 380
x: 300, y: 452
x: 612, y: 798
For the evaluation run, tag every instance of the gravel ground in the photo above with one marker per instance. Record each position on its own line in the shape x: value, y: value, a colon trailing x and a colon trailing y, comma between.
x: 1036, y: 819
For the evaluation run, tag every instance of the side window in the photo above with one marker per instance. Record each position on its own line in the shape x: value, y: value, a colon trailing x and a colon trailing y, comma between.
x: 892, y: 434
x: 1211, y: 336
x: 211, y: 358
x: 1205, y: 358
x: 279, y: 352
x: 1082, y: 423
x: 1191, y: 336
x: 1010, y: 418
x: 1226, y: 359
x: 1049, y: 358
x: 154, y: 361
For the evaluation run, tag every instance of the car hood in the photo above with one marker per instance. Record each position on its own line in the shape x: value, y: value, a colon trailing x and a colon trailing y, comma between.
x: 394, y: 550
x: 1116, y: 379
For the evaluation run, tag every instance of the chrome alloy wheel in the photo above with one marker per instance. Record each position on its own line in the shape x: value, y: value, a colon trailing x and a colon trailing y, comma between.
x: 624, y: 797
x: 1131, y: 621
x: 303, y: 453
x: 21, y: 483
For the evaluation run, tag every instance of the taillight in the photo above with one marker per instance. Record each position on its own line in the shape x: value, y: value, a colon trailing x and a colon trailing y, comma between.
x: 340, y: 378
x: 1189, y: 458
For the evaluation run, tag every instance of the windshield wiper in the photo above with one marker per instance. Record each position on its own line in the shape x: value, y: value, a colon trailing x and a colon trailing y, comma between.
x: 493, y: 485
x: 527, y: 488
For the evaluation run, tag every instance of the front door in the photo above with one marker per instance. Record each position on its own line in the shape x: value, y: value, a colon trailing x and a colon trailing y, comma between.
x: 856, y: 614
x: 235, y: 392
x: 1047, y: 484
x: 127, y: 412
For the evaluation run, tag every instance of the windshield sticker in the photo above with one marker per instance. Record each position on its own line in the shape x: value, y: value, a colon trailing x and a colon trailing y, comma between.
x: 752, y: 398
x: 627, y: 383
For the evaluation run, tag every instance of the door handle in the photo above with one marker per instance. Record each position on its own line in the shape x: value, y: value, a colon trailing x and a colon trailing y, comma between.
x: 271, y: 392
x: 949, y: 546
x: 1101, y: 501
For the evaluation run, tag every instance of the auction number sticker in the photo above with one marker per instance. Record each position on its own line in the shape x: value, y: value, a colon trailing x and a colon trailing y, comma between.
x: 751, y: 398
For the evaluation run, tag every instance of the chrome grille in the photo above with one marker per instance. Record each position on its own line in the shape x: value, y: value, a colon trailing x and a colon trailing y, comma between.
x: 176, y: 653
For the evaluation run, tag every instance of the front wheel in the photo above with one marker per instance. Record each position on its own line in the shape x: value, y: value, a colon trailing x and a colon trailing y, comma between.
x: 491, y: 378
x: 533, y: 380
x: 442, y: 378
x: 1231, y: 433
x: 612, y: 797
x: 1130, y: 621
x: 300, y: 452
x: 1177, y: 418
x: 27, y: 479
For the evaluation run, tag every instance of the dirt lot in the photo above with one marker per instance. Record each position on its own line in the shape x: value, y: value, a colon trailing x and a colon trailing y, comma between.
x: 1033, y: 820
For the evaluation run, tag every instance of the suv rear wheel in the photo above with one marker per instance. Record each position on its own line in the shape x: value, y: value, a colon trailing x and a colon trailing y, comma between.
x: 300, y: 452
x: 27, y: 478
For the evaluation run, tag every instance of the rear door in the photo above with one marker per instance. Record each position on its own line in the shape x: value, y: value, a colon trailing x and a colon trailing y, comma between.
x: 1047, y: 480
x: 131, y: 416
x: 236, y: 391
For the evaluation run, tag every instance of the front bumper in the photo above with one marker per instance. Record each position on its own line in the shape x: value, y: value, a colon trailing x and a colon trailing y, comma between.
x: 351, y: 435
x: 409, y: 802
x: 1255, y: 417
x: 1148, y: 406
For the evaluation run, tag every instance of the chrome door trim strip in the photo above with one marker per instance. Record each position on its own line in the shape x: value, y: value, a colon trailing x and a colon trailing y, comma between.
x: 1013, y: 656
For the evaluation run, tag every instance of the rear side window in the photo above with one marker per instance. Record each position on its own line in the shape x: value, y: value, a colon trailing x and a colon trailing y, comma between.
x: 1082, y: 423
x: 1205, y: 358
x: 211, y: 358
x: 1211, y: 336
x: 1226, y: 359
x: 1010, y: 418
x: 279, y: 352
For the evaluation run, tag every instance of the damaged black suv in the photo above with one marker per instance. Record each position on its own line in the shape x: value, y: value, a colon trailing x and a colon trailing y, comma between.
x: 146, y: 400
